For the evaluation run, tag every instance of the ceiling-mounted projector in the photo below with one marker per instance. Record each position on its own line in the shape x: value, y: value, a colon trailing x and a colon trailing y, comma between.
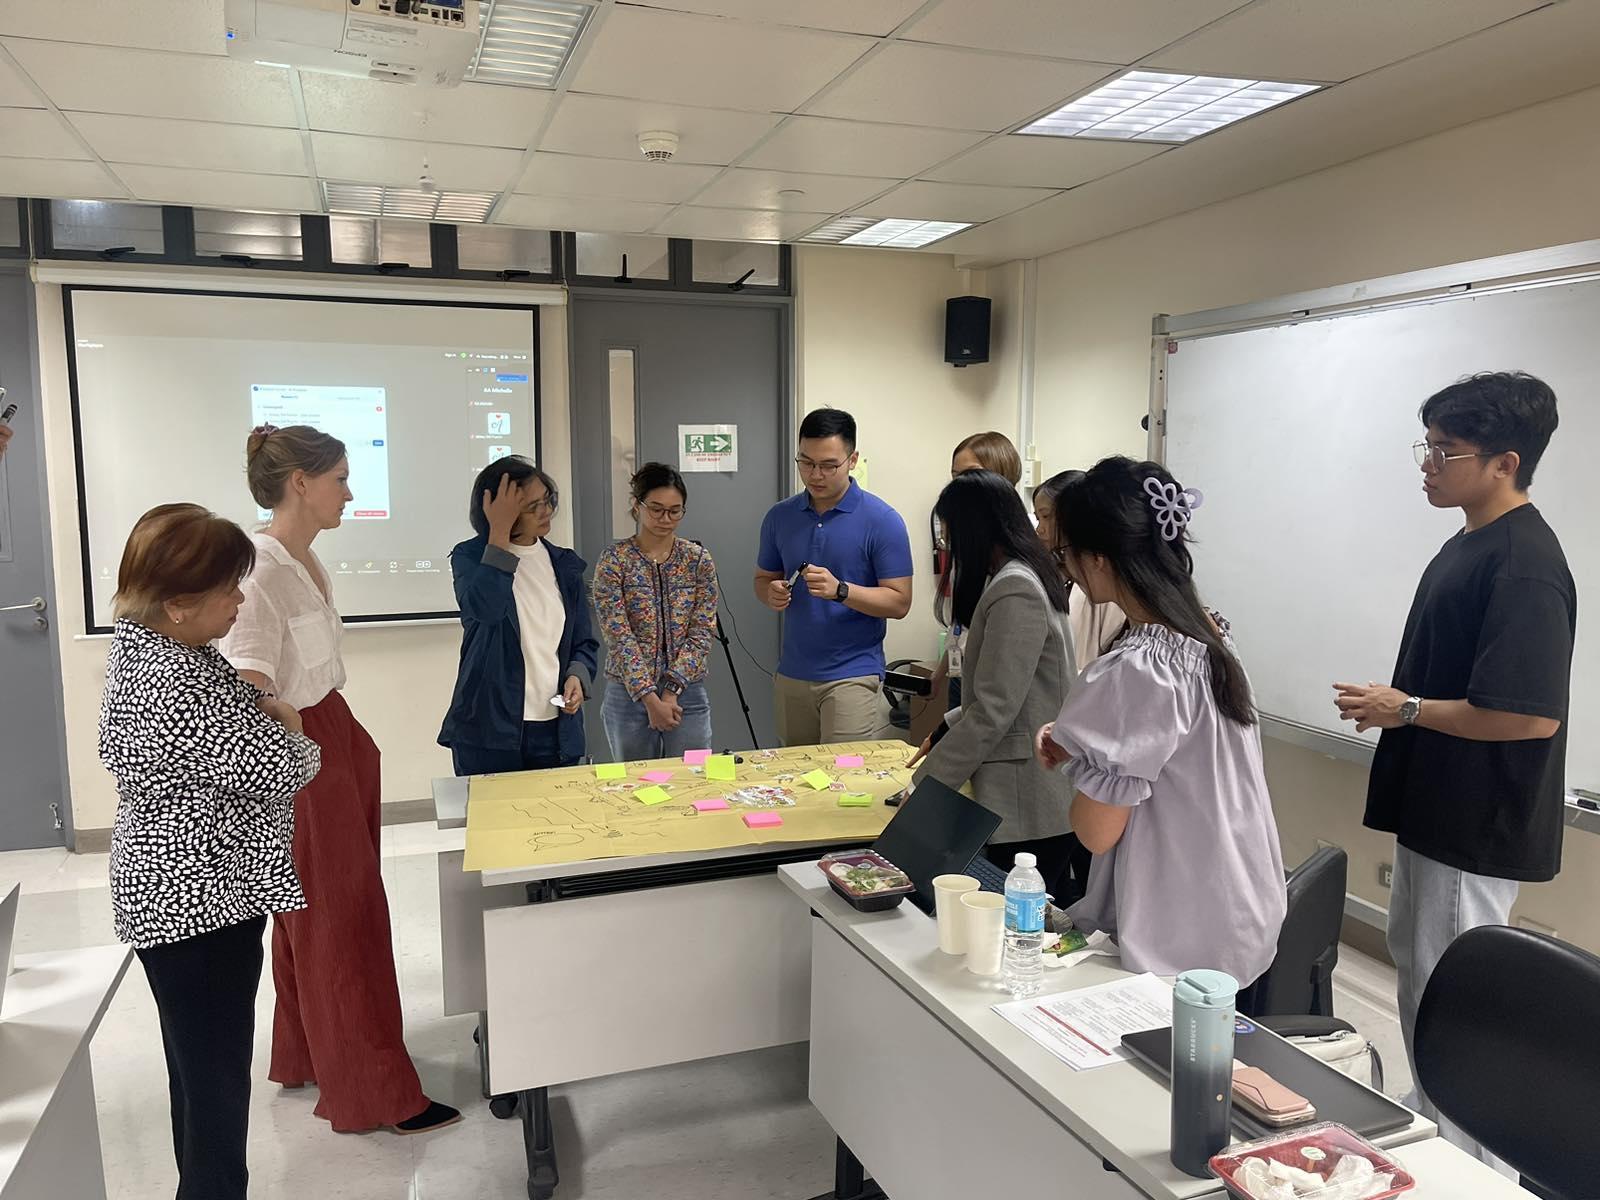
x: 430, y: 42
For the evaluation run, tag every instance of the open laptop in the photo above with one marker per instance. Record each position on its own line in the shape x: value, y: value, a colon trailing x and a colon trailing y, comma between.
x: 8, y: 931
x: 938, y: 831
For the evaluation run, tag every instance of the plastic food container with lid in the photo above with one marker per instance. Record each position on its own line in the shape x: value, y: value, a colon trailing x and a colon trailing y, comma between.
x: 1305, y: 1164
x: 867, y: 880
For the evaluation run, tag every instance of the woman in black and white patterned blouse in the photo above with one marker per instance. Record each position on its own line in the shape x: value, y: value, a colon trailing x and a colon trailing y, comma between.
x: 207, y: 768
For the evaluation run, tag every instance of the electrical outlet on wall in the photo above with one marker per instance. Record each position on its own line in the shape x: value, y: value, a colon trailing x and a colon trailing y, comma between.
x: 1386, y: 875
x: 1533, y: 926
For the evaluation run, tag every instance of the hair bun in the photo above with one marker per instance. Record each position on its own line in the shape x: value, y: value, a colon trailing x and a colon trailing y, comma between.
x: 258, y: 438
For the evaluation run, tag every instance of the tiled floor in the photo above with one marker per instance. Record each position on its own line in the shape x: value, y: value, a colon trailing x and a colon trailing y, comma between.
x: 737, y: 1127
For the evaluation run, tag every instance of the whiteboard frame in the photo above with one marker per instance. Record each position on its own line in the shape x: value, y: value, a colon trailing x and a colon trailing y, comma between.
x: 1574, y: 262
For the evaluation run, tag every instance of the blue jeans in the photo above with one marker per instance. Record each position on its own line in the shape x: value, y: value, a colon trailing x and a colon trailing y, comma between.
x: 540, y: 750
x: 628, y: 725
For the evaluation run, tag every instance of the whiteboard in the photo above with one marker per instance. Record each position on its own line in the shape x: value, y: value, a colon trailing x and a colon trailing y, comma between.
x: 1315, y: 530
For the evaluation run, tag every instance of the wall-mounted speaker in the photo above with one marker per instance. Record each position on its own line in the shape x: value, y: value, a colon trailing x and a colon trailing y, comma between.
x: 966, y: 330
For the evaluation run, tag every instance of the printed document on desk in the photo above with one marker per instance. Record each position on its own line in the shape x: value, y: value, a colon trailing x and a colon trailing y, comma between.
x: 1084, y: 1028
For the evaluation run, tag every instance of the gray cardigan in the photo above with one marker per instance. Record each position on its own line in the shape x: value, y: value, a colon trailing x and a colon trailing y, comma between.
x: 1016, y: 671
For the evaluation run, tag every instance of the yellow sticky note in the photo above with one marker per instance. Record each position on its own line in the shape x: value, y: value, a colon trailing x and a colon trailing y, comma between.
x: 855, y: 800
x: 720, y: 767
x: 820, y: 780
x: 652, y: 795
x: 611, y: 770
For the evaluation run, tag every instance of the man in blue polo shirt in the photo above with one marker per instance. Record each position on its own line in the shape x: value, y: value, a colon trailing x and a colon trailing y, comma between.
x: 856, y: 577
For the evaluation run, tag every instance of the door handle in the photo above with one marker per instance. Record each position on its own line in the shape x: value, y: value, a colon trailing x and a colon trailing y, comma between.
x: 37, y: 604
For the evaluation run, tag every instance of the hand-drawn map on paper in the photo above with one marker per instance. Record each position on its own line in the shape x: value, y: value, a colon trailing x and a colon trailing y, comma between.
x: 536, y: 818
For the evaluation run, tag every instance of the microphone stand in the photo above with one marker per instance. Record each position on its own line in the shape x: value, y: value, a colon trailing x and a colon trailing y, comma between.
x: 727, y: 651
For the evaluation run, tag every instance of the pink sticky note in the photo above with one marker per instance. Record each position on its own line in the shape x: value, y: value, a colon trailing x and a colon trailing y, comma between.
x: 695, y: 758
x: 849, y: 760
x: 762, y: 820
x: 710, y: 805
x: 657, y: 776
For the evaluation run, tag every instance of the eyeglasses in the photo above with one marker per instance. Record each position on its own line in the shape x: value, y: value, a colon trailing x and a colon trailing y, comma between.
x: 807, y: 467
x: 1059, y: 553
x: 1433, y: 458
x: 662, y: 513
x: 548, y: 502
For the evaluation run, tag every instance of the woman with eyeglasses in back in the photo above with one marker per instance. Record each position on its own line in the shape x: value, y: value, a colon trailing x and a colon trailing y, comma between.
x: 656, y: 596
x: 528, y: 650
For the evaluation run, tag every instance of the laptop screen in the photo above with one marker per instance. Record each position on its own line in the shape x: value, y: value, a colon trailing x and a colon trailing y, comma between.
x: 937, y: 831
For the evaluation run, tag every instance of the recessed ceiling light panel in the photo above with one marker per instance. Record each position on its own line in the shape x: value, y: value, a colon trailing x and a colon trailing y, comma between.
x: 528, y: 43
x: 1156, y: 106
x: 372, y: 200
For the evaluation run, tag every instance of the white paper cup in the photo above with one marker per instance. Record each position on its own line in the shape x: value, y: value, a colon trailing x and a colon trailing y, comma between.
x: 986, y: 931
x: 947, y: 893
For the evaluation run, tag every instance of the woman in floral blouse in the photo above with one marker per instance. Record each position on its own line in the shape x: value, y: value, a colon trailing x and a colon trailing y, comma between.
x: 206, y: 767
x: 656, y: 596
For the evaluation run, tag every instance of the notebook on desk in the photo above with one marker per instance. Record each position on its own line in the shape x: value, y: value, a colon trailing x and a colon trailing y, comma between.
x: 938, y: 831
x: 8, y: 932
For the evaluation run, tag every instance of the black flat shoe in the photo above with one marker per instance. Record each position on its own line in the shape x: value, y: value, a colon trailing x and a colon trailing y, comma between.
x: 435, y: 1116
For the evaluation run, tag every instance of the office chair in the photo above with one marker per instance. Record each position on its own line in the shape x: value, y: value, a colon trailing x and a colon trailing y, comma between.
x: 1506, y: 1048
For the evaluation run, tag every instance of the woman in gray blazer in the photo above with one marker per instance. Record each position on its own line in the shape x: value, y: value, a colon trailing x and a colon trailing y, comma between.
x: 1005, y: 589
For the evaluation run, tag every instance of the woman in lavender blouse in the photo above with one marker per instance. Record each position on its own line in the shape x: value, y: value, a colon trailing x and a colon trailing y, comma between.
x: 1160, y: 735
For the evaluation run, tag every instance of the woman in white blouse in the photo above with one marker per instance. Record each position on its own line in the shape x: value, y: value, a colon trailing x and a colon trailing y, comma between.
x: 206, y: 768
x: 338, y: 1023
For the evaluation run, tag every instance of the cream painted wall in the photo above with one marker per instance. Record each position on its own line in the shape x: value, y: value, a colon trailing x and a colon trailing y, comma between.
x: 870, y: 339
x: 400, y: 678
x: 1520, y: 181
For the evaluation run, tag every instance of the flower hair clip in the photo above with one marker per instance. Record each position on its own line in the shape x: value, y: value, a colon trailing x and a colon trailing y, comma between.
x: 1174, y: 506
x: 264, y: 431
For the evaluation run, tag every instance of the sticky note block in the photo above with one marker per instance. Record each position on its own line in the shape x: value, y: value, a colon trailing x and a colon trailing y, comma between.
x: 695, y: 758
x: 716, y: 805
x: 845, y: 761
x: 611, y: 770
x: 652, y: 795
x: 855, y: 800
x: 657, y: 776
x: 762, y: 820
x: 720, y: 766
x: 820, y: 780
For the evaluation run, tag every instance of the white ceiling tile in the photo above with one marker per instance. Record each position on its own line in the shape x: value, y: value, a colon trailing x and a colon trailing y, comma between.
x: 741, y: 188
x: 922, y: 201
x: 613, y: 179
x: 49, y: 179
x: 954, y: 89
x: 589, y: 216
x: 221, y: 189
x: 1102, y: 31
x: 609, y: 127
x: 355, y: 159
x: 824, y: 146
x: 876, y: 17
x: 1314, y: 40
x: 198, y: 145
x: 190, y: 26
x: 1023, y: 160
x: 687, y: 59
x: 738, y: 225
x: 149, y: 83
x: 36, y: 133
x: 15, y: 92
x: 475, y: 114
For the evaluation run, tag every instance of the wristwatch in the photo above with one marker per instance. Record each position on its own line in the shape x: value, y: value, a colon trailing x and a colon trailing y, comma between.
x: 843, y: 593
x: 1411, y: 710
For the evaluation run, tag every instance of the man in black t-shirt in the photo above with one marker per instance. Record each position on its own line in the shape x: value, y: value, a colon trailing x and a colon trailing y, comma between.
x: 1468, y: 773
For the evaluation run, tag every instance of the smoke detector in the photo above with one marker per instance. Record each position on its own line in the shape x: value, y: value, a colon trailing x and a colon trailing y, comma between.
x: 658, y: 145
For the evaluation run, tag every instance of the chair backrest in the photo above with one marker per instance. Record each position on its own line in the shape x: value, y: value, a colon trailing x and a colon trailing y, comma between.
x: 1506, y: 1048
x: 1300, y: 980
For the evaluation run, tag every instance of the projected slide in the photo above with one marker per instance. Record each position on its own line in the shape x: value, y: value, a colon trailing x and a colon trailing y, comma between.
x: 354, y: 415
x: 423, y: 397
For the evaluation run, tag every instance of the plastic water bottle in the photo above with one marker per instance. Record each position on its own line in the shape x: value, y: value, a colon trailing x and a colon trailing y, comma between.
x: 1025, y: 896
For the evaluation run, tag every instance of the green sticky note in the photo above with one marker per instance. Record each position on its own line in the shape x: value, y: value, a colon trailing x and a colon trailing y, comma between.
x: 652, y: 795
x: 820, y: 780
x: 720, y: 766
x: 855, y: 800
x: 611, y: 770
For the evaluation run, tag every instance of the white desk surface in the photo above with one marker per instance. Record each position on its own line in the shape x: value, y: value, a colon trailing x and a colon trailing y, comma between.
x: 1121, y: 1112
x: 450, y: 812
x: 1444, y: 1173
x: 53, y: 1005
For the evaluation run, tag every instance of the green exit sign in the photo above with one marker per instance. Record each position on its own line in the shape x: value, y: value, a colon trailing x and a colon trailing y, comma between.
x: 708, y: 443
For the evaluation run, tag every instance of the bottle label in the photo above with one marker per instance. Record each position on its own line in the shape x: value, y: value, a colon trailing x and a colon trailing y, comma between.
x: 1025, y: 912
